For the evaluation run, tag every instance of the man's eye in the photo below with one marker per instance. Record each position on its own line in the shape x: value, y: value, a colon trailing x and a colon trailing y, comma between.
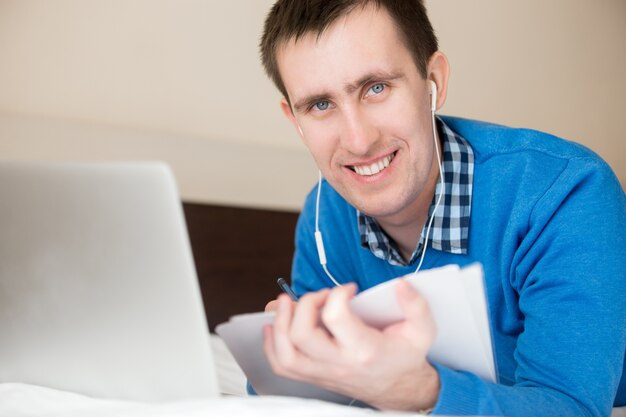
x: 376, y: 88
x: 322, y: 105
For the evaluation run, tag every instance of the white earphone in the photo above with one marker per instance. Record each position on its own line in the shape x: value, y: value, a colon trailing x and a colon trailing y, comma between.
x: 433, y: 96
x: 319, y: 242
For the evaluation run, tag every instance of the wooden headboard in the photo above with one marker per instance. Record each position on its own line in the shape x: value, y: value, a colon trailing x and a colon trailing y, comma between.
x: 239, y: 253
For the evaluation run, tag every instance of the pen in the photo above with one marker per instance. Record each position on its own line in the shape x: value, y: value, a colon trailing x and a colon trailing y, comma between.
x: 286, y: 289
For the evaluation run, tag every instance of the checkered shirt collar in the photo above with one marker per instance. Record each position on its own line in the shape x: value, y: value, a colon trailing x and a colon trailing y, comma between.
x: 450, y: 228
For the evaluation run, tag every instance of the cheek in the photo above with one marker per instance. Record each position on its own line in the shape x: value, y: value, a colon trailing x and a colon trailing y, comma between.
x: 321, y: 141
x: 403, y: 116
x: 414, y: 117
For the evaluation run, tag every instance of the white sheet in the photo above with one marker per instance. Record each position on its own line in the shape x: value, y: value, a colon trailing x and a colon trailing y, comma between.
x: 20, y: 400
x: 23, y: 400
x: 230, y: 377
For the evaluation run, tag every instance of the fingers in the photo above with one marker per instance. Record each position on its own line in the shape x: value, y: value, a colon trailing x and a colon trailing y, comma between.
x: 280, y: 352
x: 307, y: 332
x: 297, y: 338
x: 282, y: 323
x: 281, y: 364
x: 321, y: 341
x: 320, y: 328
x: 348, y: 330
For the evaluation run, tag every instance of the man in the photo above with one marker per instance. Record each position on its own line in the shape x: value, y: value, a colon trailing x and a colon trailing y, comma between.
x: 545, y: 217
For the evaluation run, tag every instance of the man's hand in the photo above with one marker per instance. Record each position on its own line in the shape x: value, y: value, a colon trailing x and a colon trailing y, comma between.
x: 319, y: 340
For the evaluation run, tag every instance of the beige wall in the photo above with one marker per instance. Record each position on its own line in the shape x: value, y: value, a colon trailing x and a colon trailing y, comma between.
x: 553, y: 65
x: 180, y: 80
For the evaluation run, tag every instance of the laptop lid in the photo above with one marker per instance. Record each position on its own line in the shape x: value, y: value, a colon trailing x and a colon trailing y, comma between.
x: 98, y: 290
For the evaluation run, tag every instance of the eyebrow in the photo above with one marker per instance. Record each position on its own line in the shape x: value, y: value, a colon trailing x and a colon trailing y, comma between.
x: 350, y: 88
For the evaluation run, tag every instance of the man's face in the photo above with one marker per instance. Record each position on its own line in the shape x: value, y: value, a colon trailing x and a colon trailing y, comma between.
x: 363, y: 110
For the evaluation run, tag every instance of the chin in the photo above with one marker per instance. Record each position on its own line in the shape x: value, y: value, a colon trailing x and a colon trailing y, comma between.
x: 377, y: 204
x: 378, y: 210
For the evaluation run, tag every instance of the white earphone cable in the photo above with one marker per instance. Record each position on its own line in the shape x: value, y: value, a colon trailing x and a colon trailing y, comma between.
x: 318, y: 234
x: 441, y: 193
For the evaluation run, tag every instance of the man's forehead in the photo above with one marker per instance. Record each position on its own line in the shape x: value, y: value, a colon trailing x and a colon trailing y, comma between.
x: 320, y: 62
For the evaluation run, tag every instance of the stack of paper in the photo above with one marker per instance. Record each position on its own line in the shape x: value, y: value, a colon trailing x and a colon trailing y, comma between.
x: 457, y: 301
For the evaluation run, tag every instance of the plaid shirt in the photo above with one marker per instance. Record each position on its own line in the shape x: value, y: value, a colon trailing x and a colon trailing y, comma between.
x: 450, y: 228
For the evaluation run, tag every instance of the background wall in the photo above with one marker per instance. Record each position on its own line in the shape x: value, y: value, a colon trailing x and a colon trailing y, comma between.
x: 179, y: 80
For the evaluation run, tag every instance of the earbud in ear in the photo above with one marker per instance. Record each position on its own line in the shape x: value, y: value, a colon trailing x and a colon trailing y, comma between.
x: 433, y: 96
x: 300, y: 130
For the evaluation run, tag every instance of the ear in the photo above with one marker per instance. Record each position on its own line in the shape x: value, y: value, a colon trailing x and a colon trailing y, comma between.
x: 438, y: 71
x: 286, y: 108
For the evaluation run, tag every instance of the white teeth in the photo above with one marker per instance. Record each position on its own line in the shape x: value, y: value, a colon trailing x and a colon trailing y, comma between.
x: 375, y: 168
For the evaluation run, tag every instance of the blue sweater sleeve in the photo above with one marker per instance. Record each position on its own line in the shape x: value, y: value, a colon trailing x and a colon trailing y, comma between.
x: 570, y: 277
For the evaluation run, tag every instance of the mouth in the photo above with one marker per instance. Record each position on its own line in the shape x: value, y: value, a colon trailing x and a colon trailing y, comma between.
x: 369, y: 169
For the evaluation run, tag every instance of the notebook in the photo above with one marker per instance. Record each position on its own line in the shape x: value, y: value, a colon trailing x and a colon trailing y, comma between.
x: 98, y: 290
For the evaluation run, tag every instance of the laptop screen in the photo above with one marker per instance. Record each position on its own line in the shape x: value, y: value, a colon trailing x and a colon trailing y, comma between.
x: 98, y: 291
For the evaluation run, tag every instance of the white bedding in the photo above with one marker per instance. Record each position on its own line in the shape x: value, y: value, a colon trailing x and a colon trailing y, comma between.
x: 19, y: 400
x: 230, y: 377
x: 22, y: 400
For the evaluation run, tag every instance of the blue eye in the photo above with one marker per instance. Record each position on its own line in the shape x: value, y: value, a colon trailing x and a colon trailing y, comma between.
x: 377, y: 88
x: 322, y: 105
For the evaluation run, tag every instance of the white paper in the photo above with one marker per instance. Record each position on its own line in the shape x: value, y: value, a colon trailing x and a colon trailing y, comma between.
x: 457, y: 301
x: 243, y: 335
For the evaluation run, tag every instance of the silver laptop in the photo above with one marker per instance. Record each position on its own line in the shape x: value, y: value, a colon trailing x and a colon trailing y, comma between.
x: 98, y: 290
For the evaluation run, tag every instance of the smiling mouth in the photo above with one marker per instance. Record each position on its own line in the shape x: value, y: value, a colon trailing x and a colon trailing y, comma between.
x: 374, y: 168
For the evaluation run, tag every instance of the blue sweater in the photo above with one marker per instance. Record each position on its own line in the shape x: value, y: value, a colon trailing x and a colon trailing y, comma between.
x: 548, y: 224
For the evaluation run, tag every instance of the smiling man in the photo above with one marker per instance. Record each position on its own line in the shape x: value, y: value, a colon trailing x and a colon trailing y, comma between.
x: 405, y: 190
x: 365, y: 108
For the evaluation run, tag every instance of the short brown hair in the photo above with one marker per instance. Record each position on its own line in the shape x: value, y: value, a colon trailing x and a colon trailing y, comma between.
x: 294, y: 18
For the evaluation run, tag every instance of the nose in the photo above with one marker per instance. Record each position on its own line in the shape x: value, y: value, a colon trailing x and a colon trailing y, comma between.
x: 358, y: 134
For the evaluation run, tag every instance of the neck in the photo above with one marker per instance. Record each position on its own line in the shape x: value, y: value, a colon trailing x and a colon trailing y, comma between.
x: 406, y: 232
